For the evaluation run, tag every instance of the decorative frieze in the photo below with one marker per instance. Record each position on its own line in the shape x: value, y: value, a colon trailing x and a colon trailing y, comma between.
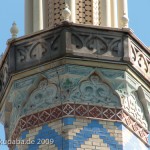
x: 83, y: 111
x: 134, y: 107
x: 45, y: 94
x: 70, y: 40
x: 97, y: 45
x: 140, y: 60
x: 76, y: 84
x: 4, y: 76
x: 39, y: 50
x: 51, y: 86
x: 95, y: 90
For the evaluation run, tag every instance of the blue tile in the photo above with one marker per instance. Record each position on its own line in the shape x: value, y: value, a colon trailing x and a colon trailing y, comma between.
x: 94, y: 127
x: 118, y: 125
x: 24, y: 134
x: 68, y: 121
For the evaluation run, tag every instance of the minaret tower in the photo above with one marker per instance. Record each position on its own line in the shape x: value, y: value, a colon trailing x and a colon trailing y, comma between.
x: 42, y: 14
x: 78, y: 80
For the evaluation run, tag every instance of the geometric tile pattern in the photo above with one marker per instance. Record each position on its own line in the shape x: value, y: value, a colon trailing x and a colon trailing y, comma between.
x: 71, y: 131
x: 79, y: 110
x: 55, y: 11
x: 94, y: 142
x: 135, y: 127
x: 59, y: 5
x: 96, y: 128
x: 115, y: 130
x: 84, y: 11
x: 93, y: 135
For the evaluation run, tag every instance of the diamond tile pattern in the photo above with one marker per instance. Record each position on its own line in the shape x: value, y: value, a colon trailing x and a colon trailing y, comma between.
x: 80, y: 110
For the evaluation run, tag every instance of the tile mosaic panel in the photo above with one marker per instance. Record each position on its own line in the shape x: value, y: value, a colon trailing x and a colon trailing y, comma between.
x: 83, y: 111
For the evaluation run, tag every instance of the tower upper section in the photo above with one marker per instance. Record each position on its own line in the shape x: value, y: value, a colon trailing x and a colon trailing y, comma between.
x: 40, y: 14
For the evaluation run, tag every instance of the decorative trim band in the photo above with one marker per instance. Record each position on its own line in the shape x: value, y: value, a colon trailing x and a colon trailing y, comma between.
x: 79, y: 110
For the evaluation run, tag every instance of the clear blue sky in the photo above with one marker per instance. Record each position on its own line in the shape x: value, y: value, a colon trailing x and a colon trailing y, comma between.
x: 13, y: 10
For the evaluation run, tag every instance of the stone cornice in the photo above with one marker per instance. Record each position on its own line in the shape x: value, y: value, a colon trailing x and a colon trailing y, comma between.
x: 75, y: 44
x: 83, y: 41
x: 65, y: 60
x: 115, y: 45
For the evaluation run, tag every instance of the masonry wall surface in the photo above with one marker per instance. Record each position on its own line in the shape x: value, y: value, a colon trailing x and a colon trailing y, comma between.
x: 80, y: 134
x: 74, y: 134
x: 52, y: 78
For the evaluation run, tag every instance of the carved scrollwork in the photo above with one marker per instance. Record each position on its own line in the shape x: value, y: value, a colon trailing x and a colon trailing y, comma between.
x: 44, y: 95
x: 116, y: 48
x: 4, y: 75
x: 133, y: 54
x: 32, y: 52
x: 139, y: 60
x: 23, y: 54
x: 38, y: 50
x: 142, y: 62
x: 134, y: 107
x: 94, y: 90
x: 97, y: 45
x: 54, y: 46
x: 77, y: 41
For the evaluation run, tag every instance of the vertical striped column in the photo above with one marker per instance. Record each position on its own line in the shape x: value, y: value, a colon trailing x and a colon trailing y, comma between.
x: 37, y: 15
x: 122, y: 13
x: 105, y: 13
x: 45, y: 13
x: 114, y: 17
x: 96, y: 17
x: 28, y: 16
